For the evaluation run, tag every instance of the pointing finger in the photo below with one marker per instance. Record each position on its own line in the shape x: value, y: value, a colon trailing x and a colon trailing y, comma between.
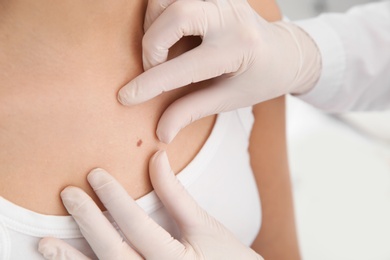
x: 97, y: 230
x: 154, y: 9
x: 142, y: 232
x: 56, y: 249
x: 182, y: 18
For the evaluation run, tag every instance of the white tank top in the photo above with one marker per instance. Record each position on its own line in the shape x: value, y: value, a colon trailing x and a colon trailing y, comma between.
x: 220, y: 179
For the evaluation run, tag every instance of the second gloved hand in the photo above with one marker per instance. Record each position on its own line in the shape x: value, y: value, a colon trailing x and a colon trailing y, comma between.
x: 250, y: 59
x: 203, y: 237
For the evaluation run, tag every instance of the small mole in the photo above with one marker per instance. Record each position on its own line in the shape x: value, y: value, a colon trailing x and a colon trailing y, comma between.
x: 139, y: 143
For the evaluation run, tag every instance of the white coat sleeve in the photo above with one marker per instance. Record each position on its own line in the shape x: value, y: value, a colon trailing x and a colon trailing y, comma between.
x: 355, y: 50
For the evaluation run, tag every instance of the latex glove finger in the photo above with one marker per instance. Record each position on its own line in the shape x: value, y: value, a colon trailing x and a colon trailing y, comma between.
x: 56, y: 249
x: 202, y: 103
x: 180, y: 205
x: 103, y: 238
x: 141, y: 231
x: 190, y: 108
x: 154, y: 9
x: 204, y: 236
x: 190, y: 67
x: 190, y: 19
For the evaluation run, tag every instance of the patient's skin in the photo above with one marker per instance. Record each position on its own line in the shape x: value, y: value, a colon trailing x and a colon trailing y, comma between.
x: 61, y: 66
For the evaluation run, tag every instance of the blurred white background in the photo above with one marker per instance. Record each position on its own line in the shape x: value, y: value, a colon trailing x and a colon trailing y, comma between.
x: 341, y: 170
x: 299, y: 9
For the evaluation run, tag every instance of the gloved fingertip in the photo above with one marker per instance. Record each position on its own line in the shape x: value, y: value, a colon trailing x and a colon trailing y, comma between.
x: 158, y: 156
x: 159, y: 162
x: 46, y: 248
x: 146, y: 64
x: 98, y: 178
x: 72, y: 198
x: 70, y: 191
x: 122, y: 97
x: 165, y: 136
x: 127, y: 95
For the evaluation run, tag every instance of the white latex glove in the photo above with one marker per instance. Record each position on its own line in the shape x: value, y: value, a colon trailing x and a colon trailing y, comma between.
x: 251, y: 60
x: 203, y: 237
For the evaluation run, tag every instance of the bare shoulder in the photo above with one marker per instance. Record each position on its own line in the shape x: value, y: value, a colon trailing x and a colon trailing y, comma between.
x: 268, y: 9
x: 268, y: 152
x: 268, y: 138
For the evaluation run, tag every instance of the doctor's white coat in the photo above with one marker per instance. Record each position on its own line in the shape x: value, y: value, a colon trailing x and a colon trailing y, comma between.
x: 355, y: 49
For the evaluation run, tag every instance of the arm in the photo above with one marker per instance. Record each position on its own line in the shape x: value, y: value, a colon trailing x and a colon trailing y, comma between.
x: 277, y: 238
x: 268, y: 150
x: 355, y: 50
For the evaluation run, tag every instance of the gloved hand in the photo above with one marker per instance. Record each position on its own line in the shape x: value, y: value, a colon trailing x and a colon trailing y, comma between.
x: 203, y: 237
x: 251, y: 60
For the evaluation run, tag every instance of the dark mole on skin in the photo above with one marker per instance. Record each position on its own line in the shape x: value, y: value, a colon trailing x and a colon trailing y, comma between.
x: 139, y: 143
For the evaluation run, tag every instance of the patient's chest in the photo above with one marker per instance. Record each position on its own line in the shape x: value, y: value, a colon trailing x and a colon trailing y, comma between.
x: 219, y: 178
